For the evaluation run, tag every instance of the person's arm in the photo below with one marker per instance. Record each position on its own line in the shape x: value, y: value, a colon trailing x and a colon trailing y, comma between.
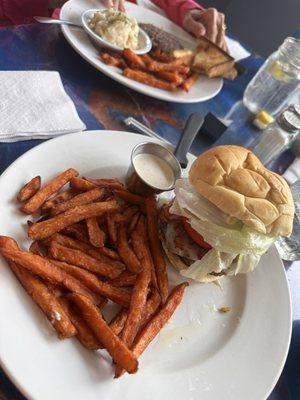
x: 177, y: 9
x: 196, y: 19
x: 191, y: 16
x: 209, y: 23
x: 22, y: 11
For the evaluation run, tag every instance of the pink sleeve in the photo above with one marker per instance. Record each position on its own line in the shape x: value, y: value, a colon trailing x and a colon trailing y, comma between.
x: 22, y: 11
x: 176, y: 9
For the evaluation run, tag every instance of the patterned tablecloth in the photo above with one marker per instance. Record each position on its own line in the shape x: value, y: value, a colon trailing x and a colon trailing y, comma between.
x: 103, y: 104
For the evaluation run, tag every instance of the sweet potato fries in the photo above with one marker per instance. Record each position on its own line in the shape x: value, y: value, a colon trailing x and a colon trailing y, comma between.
x: 95, y: 242
x: 167, y: 73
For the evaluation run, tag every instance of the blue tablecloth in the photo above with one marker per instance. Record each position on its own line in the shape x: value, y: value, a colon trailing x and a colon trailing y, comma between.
x: 103, y: 104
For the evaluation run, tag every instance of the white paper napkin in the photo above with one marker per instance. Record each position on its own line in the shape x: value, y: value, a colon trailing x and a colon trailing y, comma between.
x: 236, y: 50
x: 34, y: 105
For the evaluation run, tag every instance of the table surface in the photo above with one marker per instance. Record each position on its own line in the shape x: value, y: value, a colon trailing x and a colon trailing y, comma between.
x: 103, y: 104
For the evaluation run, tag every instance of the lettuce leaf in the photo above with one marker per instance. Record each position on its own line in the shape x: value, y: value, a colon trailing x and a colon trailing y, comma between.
x: 246, y: 263
x: 199, y: 206
x: 222, y: 233
x: 213, y: 261
x: 230, y: 238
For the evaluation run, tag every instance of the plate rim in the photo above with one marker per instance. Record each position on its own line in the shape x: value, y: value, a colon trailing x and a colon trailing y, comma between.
x: 290, y: 327
x: 272, y: 384
x: 164, y: 96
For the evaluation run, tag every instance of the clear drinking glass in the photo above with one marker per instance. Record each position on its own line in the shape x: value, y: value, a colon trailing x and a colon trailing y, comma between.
x: 276, y: 80
x: 289, y: 247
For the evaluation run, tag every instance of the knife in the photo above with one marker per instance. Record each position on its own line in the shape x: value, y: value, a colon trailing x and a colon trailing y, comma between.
x: 190, y: 130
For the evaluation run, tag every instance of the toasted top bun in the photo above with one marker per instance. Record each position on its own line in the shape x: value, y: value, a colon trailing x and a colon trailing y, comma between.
x: 234, y: 179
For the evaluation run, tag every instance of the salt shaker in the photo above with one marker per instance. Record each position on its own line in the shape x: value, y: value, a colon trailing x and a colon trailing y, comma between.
x: 296, y: 145
x: 278, y: 136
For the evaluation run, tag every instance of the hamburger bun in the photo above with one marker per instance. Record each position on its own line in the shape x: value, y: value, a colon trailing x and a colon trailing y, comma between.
x: 234, y: 180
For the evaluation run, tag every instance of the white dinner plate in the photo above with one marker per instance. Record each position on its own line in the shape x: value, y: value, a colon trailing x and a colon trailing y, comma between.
x: 199, y: 354
x: 204, y: 89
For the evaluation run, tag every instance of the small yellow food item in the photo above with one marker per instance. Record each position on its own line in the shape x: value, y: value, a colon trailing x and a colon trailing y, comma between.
x: 277, y: 70
x: 115, y: 27
x: 263, y: 119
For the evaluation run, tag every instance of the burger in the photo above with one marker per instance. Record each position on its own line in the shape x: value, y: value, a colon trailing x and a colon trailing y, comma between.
x: 225, y: 215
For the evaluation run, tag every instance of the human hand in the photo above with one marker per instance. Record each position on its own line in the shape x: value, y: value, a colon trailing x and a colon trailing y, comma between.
x: 209, y: 23
x: 117, y: 4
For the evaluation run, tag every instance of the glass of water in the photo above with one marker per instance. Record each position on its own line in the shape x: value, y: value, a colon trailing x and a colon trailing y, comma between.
x: 289, y: 247
x: 276, y: 80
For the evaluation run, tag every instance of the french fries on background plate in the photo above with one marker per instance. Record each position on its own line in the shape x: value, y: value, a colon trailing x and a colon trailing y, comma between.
x: 169, y: 74
x: 179, y: 69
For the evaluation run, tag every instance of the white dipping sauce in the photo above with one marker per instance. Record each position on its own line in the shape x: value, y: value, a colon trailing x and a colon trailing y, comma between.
x: 154, y: 170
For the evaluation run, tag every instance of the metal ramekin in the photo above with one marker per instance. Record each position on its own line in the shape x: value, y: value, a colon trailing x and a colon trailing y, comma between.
x: 136, y: 183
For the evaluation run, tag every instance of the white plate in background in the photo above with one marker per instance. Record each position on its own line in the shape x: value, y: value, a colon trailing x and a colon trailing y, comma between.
x: 204, y: 89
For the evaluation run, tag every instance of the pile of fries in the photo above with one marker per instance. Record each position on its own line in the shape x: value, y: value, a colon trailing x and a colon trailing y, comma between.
x: 94, y: 241
x: 153, y: 69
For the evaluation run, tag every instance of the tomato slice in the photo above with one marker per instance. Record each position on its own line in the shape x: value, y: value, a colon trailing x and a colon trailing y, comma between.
x: 195, y: 236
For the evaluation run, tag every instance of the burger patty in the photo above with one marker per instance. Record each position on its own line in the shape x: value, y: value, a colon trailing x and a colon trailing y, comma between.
x: 178, y: 243
x: 161, y: 40
x: 176, y: 238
